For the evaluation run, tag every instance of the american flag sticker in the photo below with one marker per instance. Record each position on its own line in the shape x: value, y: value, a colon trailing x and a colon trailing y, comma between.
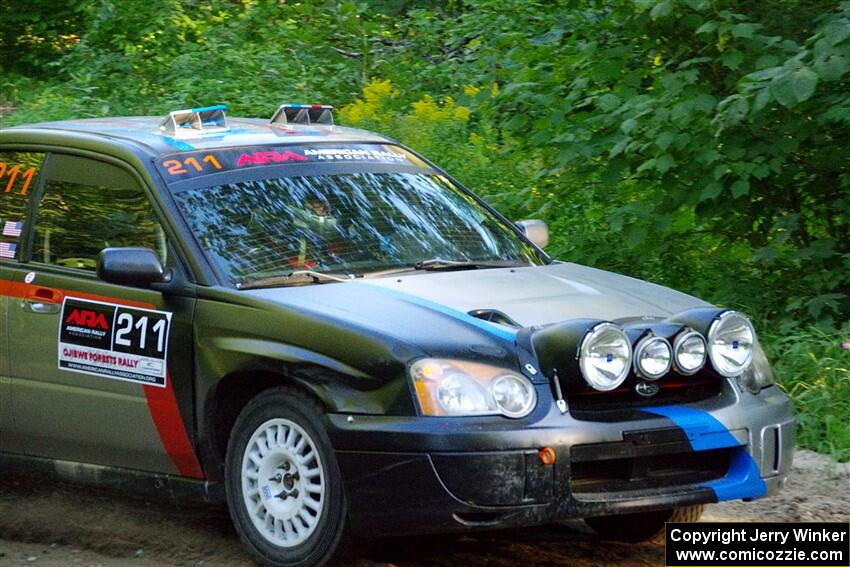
x: 8, y: 249
x: 13, y: 228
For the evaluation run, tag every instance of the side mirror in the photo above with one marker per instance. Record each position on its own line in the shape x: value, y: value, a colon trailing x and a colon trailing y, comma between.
x: 536, y: 231
x: 137, y: 267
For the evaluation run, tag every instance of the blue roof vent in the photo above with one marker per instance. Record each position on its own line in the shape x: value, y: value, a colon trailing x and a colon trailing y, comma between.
x: 303, y: 114
x: 195, y: 121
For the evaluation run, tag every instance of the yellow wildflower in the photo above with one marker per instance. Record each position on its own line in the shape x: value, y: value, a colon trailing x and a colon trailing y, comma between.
x: 375, y: 93
x: 377, y: 90
x: 354, y: 113
x: 426, y: 108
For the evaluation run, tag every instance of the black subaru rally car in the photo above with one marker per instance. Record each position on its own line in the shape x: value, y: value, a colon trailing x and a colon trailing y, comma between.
x: 327, y: 330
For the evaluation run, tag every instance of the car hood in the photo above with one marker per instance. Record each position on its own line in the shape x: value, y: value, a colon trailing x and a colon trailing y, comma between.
x: 417, y: 306
x: 539, y: 295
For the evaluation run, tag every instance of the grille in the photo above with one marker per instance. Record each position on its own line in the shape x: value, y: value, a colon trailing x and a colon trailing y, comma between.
x: 644, y: 472
x: 674, y: 390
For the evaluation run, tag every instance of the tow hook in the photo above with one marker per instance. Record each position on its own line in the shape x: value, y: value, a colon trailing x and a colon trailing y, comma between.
x: 560, y: 402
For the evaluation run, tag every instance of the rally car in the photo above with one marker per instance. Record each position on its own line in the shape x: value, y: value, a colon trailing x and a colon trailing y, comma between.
x: 323, y: 328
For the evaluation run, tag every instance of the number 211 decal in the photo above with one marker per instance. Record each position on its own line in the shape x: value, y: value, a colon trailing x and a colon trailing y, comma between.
x: 114, y: 341
x: 11, y: 173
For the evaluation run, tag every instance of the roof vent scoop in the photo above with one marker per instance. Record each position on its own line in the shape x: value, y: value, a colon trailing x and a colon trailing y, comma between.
x: 195, y: 121
x: 303, y: 114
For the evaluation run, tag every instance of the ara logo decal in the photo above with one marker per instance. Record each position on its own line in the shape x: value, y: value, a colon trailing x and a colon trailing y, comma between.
x: 261, y: 158
x: 647, y: 389
x: 86, y: 318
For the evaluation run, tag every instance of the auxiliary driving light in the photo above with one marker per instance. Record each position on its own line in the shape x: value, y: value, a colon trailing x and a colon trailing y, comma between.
x: 690, y: 352
x: 653, y: 357
x: 731, y: 341
x: 605, y: 357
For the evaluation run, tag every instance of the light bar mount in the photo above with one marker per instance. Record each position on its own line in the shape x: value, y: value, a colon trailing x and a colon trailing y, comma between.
x: 303, y: 114
x: 195, y: 121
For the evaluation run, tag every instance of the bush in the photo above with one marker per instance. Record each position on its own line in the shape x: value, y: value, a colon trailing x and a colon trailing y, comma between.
x: 814, y: 368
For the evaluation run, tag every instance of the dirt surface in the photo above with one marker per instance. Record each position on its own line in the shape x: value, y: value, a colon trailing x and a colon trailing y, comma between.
x: 58, y: 525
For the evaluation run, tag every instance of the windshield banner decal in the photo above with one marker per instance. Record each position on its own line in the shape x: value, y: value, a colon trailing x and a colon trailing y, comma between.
x: 177, y: 167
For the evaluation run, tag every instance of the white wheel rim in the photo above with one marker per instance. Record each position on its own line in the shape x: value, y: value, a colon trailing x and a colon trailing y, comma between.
x: 283, y: 482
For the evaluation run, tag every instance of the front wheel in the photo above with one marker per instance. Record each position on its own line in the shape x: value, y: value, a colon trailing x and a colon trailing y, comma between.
x: 283, y: 484
x: 643, y: 526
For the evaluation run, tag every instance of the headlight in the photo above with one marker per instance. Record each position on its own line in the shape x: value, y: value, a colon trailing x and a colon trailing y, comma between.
x: 459, y: 394
x: 653, y: 357
x: 689, y: 352
x: 514, y: 395
x: 460, y: 388
x: 605, y: 357
x: 759, y: 375
x: 731, y: 340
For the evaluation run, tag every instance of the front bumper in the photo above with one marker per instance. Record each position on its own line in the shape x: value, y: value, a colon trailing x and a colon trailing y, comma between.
x: 416, y: 475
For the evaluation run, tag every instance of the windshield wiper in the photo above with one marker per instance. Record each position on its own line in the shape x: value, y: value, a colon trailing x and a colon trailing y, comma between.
x: 437, y: 264
x: 440, y: 264
x: 297, y: 277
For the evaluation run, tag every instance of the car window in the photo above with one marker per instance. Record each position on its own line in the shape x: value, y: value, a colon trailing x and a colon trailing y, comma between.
x: 87, y: 206
x: 18, y: 177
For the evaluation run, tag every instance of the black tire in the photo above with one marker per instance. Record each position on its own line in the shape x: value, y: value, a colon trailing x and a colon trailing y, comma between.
x: 643, y: 526
x: 319, y: 546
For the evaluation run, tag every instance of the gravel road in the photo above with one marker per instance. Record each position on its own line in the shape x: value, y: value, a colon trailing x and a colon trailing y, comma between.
x: 50, y: 525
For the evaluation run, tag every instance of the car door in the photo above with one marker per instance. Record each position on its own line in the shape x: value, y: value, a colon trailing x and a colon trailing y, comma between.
x: 100, y: 373
x: 19, y: 172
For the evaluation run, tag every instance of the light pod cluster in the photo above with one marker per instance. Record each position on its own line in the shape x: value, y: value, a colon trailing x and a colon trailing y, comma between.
x: 606, y: 355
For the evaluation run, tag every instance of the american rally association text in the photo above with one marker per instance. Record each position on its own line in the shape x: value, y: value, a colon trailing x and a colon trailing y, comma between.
x: 757, y: 534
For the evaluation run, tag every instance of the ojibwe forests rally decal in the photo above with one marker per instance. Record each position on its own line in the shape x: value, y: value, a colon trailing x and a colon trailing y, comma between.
x: 114, y: 341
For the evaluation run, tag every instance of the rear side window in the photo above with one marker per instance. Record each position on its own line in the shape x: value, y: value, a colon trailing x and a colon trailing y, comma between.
x: 18, y: 177
x: 88, y: 205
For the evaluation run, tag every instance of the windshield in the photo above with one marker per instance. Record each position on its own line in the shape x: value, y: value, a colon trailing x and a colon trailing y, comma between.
x: 349, y: 223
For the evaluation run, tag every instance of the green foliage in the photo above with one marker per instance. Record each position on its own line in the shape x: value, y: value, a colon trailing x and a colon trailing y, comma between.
x: 34, y: 35
x: 815, y: 370
x: 150, y: 57
x: 706, y: 135
x: 700, y: 144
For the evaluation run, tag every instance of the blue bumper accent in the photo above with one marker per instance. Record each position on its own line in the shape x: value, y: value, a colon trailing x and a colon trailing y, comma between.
x: 704, y: 432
